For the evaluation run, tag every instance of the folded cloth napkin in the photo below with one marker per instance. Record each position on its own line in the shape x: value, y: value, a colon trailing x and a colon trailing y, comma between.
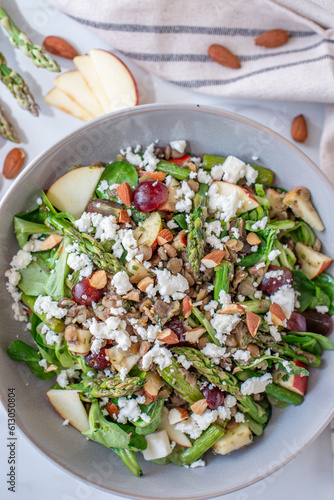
x: 170, y: 38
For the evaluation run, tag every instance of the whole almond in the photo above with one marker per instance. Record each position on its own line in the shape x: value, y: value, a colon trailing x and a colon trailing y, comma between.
x: 272, y: 38
x: 59, y: 47
x: 13, y: 163
x: 223, y: 56
x: 124, y: 193
x: 299, y: 129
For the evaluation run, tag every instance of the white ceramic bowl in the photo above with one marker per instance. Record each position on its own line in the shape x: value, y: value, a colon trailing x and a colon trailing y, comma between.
x: 206, y: 130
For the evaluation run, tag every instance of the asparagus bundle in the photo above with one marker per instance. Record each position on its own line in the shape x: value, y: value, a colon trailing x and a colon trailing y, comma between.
x: 107, y: 387
x: 196, y: 235
x: 20, y: 40
x: 6, y: 128
x: 17, y: 86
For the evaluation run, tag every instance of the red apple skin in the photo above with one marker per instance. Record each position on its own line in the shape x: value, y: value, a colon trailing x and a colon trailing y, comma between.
x: 294, y: 383
x: 180, y: 161
x: 134, y: 81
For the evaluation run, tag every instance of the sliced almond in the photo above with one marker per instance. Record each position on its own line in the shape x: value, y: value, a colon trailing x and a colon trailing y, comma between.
x: 112, y: 409
x: 144, y: 283
x: 213, y: 259
x: 186, y: 306
x: 124, y: 193
x: 133, y: 295
x: 199, y: 406
x: 165, y: 236
x: 51, y: 241
x: 51, y: 368
x: 13, y: 163
x: 272, y: 38
x: 98, y: 280
x: 124, y: 217
x: 253, y: 322
x: 168, y: 337
x: 253, y: 239
x: 232, y: 309
x: 176, y: 415
x: 152, y: 385
x: 277, y: 314
x: 193, y: 335
x: 223, y: 56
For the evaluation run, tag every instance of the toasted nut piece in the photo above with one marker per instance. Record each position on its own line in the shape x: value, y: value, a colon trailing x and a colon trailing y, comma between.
x: 234, y: 245
x: 277, y: 314
x: 191, y: 166
x: 253, y: 239
x: 51, y: 241
x: 51, y: 368
x: 253, y: 322
x: 134, y: 348
x: 272, y: 38
x: 232, y: 309
x: 202, y: 342
x: 180, y: 241
x: 164, y: 237
x: 144, y: 348
x: 156, y: 176
x: 177, y: 414
x: 186, y: 306
x: 153, y: 385
x: 124, y: 217
x: 144, y: 283
x: 13, y: 163
x: 170, y: 250
x: 112, y: 409
x: 124, y: 193
x: 133, y: 295
x: 213, y: 259
x: 299, y: 129
x: 193, y: 335
x: 199, y: 406
x: 98, y: 280
x: 168, y: 337
x: 59, y: 47
x: 253, y: 350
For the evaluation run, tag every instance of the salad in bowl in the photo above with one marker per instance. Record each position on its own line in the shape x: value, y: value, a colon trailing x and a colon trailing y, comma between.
x: 174, y: 299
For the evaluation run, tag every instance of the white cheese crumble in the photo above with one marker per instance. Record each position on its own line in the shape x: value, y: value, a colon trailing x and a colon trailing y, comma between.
x: 172, y: 224
x: 130, y: 410
x: 168, y: 285
x: 121, y: 282
x: 224, y: 324
x: 79, y: 262
x: 322, y: 309
x: 214, y: 352
x: 273, y: 254
x: 179, y: 145
x: 203, y: 177
x: 251, y: 175
x: 196, y: 424
x: 198, y: 463
x: 256, y: 385
x: 234, y: 169
x: 217, y: 172
x: 241, y: 356
x: 212, y: 234
x: 285, y: 298
x: 159, y: 355
x: 260, y: 224
x: 239, y: 417
x: 114, y: 328
x: 45, y: 305
x: 21, y: 260
x: 184, y: 196
x: 224, y: 207
x: 224, y: 298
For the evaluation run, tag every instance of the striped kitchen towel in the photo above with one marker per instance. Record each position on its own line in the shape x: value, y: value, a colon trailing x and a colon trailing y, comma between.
x: 170, y: 38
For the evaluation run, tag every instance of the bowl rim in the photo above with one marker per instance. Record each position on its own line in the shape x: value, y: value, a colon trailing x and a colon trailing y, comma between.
x: 147, y: 108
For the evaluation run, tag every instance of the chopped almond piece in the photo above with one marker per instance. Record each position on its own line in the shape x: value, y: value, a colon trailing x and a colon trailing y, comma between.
x: 112, y: 409
x: 51, y: 241
x: 193, y: 335
x: 176, y: 415
x: 134, y: 348
x: 213, y: 259
x: 186, y: 306
x: 168, y: 337
x: 253, y: 322
x: 133, y: 295
x: 124, y: 193
x: 144, y: 283
x: 124, y: 217
x: 51, y: 368
x: 253, y: 239
x: 277, y: 314
x: 199, y: 407
x: 165, y: 236
x: 98, y: 280
x: 235, y: 245
x: 152, y: 385
x: 232, y: 309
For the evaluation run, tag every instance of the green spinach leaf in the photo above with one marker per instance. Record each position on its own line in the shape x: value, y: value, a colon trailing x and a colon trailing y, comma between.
x: 19, y: 351
x: 116, y: 173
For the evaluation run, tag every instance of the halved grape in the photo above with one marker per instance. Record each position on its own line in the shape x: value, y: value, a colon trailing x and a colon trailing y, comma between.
x: 149, y: 195
x: 214, y: 396
x: 176, y: 325
x: 98, y: 361
x: 297, y: 322
x: 317, y: 322
x: 84, y: 294
x: 269, y: 286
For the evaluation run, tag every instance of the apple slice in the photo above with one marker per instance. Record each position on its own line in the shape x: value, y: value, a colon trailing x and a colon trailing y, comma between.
x: 294, y: 383
x: 138, y: 271
x: 312, y: 262
x: 74, y: 85
x: 58, y: 99
x: 169, y: 205
x: 173, y: 434
x: 276, y: 204
x: 69, y: 406
x: 87, y: 68
x: 299, y: 200
x: 158, y: 445
x: 72, y: 192
x: 147, y: 233
x: 117, y: 81
x: 233, y: 439
x: 248, y: 202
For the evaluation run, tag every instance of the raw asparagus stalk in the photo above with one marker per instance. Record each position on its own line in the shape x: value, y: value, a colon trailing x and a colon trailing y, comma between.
x: 6, y: 128
x: 108, y: 387
x: 224, y: 380
x: 175, y: 171
x: 17, y: 86
x: 196, y: 235
x: 129, y: 459
x: 202, y: 444
x: 265, y: 176
x: 256, y: 306
x: 177, y: 380
x: 207, y: 325
x: 284, y: 395
x: 20, y: 40
x: 222, y: 279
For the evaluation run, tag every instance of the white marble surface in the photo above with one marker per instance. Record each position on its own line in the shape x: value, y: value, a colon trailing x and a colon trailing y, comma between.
x: 311, y: 473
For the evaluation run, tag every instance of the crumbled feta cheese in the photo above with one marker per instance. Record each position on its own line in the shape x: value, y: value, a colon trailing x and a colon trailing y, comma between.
x: 214, y: 352
x: 224, y: 324
x: 21, y: 260
x: 13, y: 277
x: 273, y: 330
x: 39, y: 201
x: 64, y: 375
x: 43, y: 363
x: 260, y: 265
x: 114, y: 328
x: 230, y: 401
x: 33, y: 245
x: 80, y: 262
x: 225, y: 207
x: 258, y: 294
x: 224, y: 298
x: 285, y: 297
x: 159, y: 355
x: 184, y: 196
x: 260, y: 224
x: 122, y: 283
x: 129, y: 410
x: 196, y: 424
x: 251, y: 175
x: 256, y: 385
x: 45, y: 305
x: 149, y: 161
x: 211, y: 307
x: 217, y: 172
x: 184, y: 362
x: 235, y: 232
x: 168, y: 285
x: 239, y: 417
x: 103, y: 186
x: 322, y: 309
x: 203, y: 177
x: 212, y: 233
x: 179, y: 146
x: 274, y: 274
x: 125, y: 240
x: 149, y: 332
x: 234, y: 169
x: 273, y: 254
x: 198, y: 463
x: 254, y: 248
x: 242, y: 356
x: 172, y: 224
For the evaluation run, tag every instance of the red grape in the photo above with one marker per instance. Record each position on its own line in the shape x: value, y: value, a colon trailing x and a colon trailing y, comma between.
x: 84, y: 294
x: 176, y: 325
x: 99, y: 361
x: 149, y: 195
x: 269, y: 286
x: 317, y: 322
x: 214, y: 396
x: 297, y: 322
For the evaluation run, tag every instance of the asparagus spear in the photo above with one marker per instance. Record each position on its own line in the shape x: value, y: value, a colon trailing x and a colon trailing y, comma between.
x: 207, y: 325
x: 108, y: 387
x: 129, y: 459
x: 175, y: 171
x: 265, y: 176
x: 6, y: 128
x: 196, y: 235
x: 20, y: 40
x: 284, y: 395
x: 222, y: 279
x: 17, y: 86
x: 202, y: 444
x: 224, y: 380
x: 175, y: 379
